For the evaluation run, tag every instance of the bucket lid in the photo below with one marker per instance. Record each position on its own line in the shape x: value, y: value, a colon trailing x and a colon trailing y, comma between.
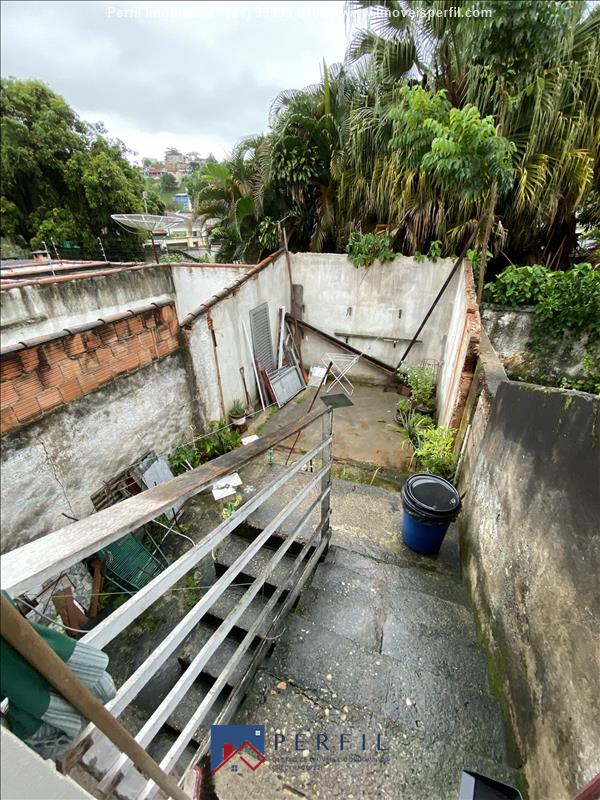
x: 432, y: 494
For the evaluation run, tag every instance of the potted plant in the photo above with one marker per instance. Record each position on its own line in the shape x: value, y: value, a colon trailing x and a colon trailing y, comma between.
x: 402, y: 386
x: 237, y: 413
x: 422, y: 380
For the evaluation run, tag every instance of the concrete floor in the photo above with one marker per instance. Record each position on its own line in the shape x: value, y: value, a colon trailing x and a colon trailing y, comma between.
x: 363, y: 432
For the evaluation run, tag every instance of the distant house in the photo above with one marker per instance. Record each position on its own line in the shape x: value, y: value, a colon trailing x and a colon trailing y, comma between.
x: 174, y: 161
x: 153, y: 172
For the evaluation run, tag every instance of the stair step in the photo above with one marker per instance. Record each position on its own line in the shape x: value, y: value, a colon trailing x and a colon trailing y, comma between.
x: 415, y: 764
x: 234, y: 546
x: 356, y: 571
x: 410, y: 690
x: 225, y: 604
x: 364, y: 519
x: 217, y: 663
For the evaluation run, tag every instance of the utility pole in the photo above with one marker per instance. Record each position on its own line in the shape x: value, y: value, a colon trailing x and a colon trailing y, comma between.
x: 55, y: 248
x: 102, y: 248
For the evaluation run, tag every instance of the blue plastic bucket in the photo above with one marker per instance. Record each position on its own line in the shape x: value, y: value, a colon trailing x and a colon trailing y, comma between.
x: 430, y: 505
x: 423, y: 537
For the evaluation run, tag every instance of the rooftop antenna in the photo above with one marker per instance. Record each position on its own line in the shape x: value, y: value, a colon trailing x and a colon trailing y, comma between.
x: 153, y: 223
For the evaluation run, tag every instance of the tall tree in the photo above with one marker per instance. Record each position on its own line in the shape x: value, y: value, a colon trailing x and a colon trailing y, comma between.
x: 62, y: 178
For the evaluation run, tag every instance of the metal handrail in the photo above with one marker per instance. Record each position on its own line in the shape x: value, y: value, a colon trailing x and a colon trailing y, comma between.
x: 142, y: 675
x: 314, y: 545
x: 31, y: 564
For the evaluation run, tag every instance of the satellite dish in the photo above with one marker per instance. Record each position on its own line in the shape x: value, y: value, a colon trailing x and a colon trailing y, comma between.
x: 153, y: 223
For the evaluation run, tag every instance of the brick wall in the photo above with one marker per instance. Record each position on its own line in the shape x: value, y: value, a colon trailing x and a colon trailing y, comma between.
x: 42, y: 377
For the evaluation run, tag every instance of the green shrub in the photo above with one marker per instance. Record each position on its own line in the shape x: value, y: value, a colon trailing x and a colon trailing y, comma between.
x: 414, y: 425
x: 434, y: 452
x: 237, y: 409
x: 221, y: 440
x: 403, y: 406
x: 364, y: 249
x: 181, y: 456
x: 422, y: 382
x: 519, y: 286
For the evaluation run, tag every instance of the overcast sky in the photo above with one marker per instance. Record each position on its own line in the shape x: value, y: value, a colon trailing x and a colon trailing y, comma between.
x: 192, y: 75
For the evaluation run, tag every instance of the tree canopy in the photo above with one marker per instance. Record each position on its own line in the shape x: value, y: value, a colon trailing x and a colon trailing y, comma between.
x: 434, y: 123
x: 62, y: 178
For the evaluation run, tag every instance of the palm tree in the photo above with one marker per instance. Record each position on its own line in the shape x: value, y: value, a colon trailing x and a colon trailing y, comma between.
x: 548, y: 106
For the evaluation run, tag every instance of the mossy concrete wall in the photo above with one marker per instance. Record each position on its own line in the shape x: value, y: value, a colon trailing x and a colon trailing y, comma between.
x: 531, y: 553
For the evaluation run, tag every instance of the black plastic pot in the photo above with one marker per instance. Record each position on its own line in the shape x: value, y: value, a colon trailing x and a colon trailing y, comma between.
x: 426, y: 411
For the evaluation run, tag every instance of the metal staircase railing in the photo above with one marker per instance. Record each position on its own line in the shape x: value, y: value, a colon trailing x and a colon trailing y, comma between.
x: 46, y: 557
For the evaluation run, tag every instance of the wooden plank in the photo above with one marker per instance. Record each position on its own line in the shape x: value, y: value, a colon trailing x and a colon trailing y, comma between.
x: 32, y: 564
x: 110, y: 627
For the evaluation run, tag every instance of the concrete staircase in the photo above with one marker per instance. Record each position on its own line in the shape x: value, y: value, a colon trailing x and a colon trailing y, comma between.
x: 383, y: 641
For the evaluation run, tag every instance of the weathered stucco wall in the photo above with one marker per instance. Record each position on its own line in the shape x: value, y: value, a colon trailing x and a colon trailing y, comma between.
x: 54, y: 465
x: 37, y: 309
x: 217, y: 344
x: 511, y: 331
x: 531, y: 552
x: 195, y: 285
x: 460, y: 352
x: 385, y: 300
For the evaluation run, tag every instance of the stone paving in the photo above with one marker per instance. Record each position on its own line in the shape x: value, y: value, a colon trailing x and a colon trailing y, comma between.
x: 383, y: 642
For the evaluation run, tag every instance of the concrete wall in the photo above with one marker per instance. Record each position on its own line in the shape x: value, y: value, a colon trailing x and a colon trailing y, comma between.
x: 54, y: 465
x: 460, y: 352
x: 531, y: 553
x: 27, y: 776
x: 195, y: 285
x: 36, y: 309
x: 510, y: 331
x: 384, y: 300
x: 217, y: 345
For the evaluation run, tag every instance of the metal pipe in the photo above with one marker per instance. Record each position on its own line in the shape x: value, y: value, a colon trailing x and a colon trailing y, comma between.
x: 439, y: 294
x: 251, y: 352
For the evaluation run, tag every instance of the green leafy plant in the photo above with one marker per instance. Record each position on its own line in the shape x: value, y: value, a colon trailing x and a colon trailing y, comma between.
x: 182, y: 457
x: 434, y: 451
x: 221, y: 440
x: 364, y: 249
x: 171, y: 258
x: 422, y: 381
x: 435, y: 250
x: 237, y: 410
x: 231, y: 506
x: 519, y: 286
x: 192, y: 594
x: 268, y: 234
x: 566, y: 302
x: 403, y: 406
x: 413, y: 424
